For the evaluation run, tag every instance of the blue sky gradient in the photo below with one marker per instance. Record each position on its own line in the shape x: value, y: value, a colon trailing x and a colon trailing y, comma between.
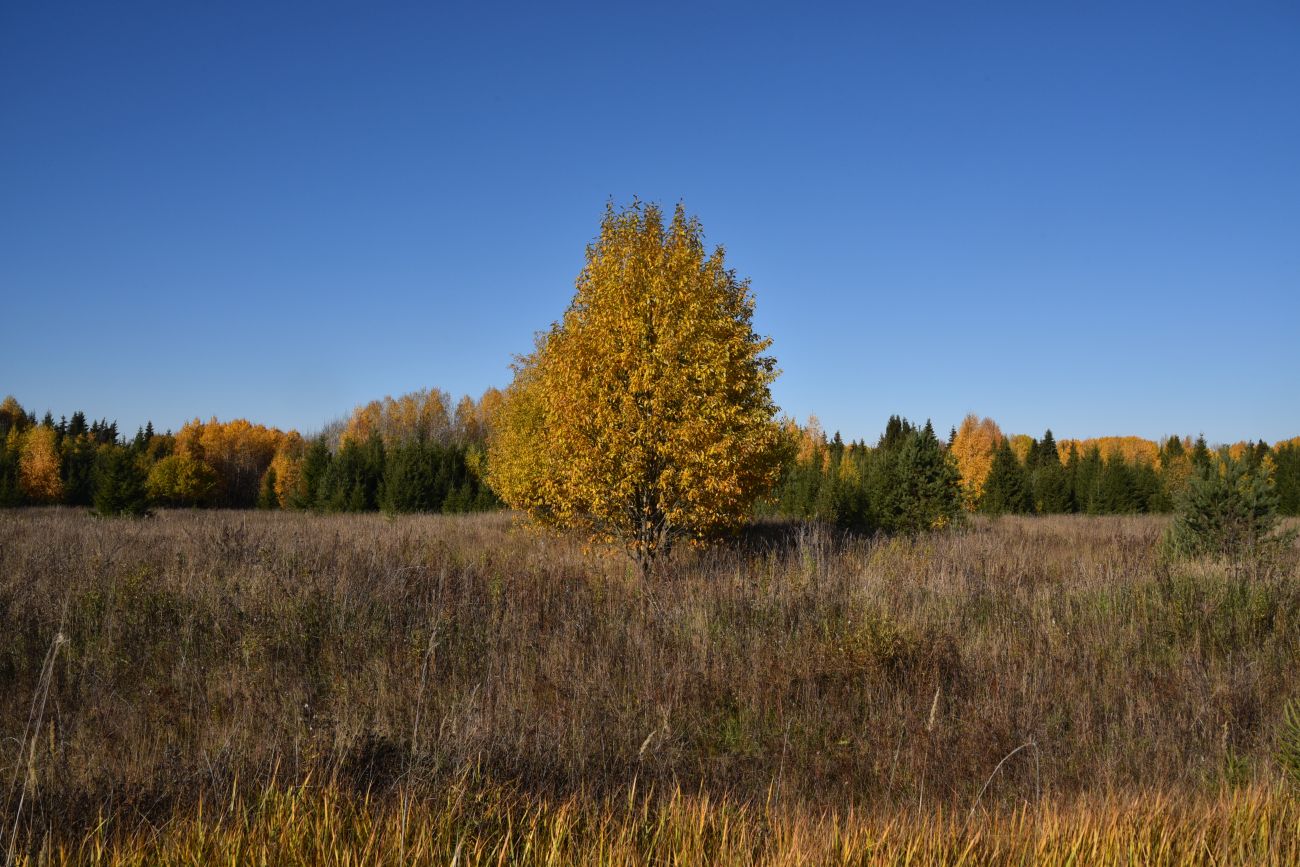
x: 1082, y: 216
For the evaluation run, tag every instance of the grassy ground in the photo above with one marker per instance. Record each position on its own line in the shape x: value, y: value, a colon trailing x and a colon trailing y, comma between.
x: 371, y: 689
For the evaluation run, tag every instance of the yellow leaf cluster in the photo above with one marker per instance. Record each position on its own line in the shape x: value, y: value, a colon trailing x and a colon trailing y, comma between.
x: 181, y: 480
x: 12, y: 413
x: 811, y: 448
x: 473, y: 422
x: 38, y: 465
x: 424, y: 414
x: 238, y: 452
x: 973, y: 447
x: 645, y: 416
x: 1132, y: 449
x: 1176, y: 473
x: 1020, y: 445
x: 287, y: 464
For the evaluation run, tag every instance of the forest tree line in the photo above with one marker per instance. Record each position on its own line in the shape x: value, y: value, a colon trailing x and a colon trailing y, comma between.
x: 416, y: 453
x: 422, y: 453
x: 909, y: 480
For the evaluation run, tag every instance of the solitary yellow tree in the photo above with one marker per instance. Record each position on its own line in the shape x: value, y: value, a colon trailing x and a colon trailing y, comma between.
x: 644, y: 417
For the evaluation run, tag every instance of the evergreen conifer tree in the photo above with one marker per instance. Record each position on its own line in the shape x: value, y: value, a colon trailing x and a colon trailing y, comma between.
x: 1148, y: 493
x: 1007, y: 487
x: 1171, y: 449
x: 78, y: 471
x: 119, y: 483
x: 916, y: 486
x: 315, y: 468
x: 410, y: 482
x: 1201, y: 458
x: 1050, y: 481
x: 353, y: 479
x: 1072, y: 479
x: 1286, y: 477
x: 896, y: 431
x: 850, y: 502
x: 11, y: 491
x: 1087, y: 482
x: 1115, y: 488
x: 1031, y: 457
x: 267, y: 498
x: 1230, y: 512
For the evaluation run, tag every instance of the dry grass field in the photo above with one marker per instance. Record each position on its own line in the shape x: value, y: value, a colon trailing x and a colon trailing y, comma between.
x: 293, y: 688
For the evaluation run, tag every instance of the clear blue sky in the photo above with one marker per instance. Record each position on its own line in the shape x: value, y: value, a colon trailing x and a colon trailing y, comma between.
x: 1083, y: 216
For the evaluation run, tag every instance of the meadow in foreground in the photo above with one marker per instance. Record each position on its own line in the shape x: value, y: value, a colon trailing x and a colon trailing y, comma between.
x: 362, y: 689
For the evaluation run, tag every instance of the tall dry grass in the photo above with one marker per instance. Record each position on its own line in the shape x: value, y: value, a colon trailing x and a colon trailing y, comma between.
x: 1011, y: 664
x: 469, y: 822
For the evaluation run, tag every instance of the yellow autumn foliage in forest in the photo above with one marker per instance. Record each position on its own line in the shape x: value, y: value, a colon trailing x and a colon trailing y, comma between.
x: 1176, y: 473
x: 287, y: 465
x: 811, y: 439
x: 12, y: 414
x: 1131, y: 449
x: 644, y: 417
x: 474, y: 419
x: 238, y: 450
x: 423, y: 415
x: 973, y: 447
x: 1020, y: 445
x: 38, y: 465
x: 181, y: 480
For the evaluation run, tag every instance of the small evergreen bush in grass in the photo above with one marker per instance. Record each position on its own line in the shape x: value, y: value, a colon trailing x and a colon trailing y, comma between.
x: 1229, y: 510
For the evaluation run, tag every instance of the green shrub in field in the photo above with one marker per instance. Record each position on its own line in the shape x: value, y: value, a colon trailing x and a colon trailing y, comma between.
x: 1228, y: 510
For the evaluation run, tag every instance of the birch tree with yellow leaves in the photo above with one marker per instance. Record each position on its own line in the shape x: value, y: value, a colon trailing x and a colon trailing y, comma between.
x: 39, y: 465
x: 645, y: 416
x: 973, y: 447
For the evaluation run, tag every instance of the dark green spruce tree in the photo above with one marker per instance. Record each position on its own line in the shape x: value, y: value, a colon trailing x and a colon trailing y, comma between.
x: 119, y: 483
x: 1087, y: 482
x: 267, y: 498
x: 352, y: 482
x: 917, y: 484
x: 1202, y: 458
x: 1115, y: 489
x: 1148, y: 491
x: 410, y: 482
x: 78, y: 470
x: 1007, y: 488
x: 1171, y: 450
x: 315, y: 467
x: 1286, y: 478
x: 1049, y: 479
x: 11, y: 492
